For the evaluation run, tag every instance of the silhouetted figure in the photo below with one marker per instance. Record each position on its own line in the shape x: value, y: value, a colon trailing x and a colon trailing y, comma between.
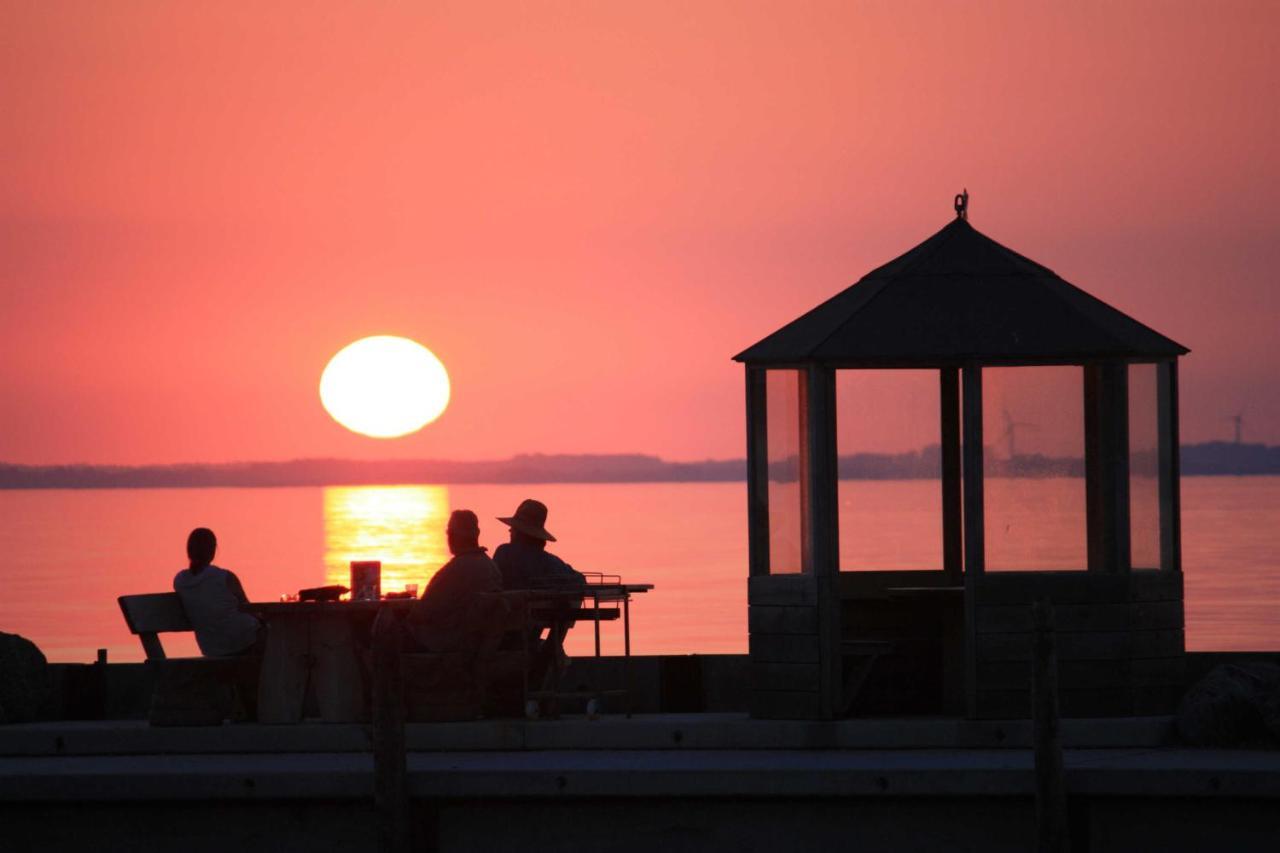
x: 526, y: 563
x: 450, y: 615
x: 212, y: 598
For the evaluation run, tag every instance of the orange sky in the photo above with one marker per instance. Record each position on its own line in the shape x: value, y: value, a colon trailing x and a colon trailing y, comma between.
x: 585, y: 209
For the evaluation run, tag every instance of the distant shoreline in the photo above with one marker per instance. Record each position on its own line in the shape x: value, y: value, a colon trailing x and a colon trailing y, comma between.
x: 1207, y: 459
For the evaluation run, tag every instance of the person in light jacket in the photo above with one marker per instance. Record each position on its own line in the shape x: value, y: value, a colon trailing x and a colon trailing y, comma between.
x: 212, y: 598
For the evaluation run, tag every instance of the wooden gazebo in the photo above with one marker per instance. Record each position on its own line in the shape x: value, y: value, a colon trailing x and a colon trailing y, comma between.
x: 956, y: 638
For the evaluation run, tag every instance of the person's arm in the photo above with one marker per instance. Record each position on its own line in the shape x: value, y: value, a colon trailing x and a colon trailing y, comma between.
x: 237, y: 589
x: 563, y: 574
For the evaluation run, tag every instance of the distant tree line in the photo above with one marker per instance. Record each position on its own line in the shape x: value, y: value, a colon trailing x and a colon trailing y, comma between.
x: 1197, y: 459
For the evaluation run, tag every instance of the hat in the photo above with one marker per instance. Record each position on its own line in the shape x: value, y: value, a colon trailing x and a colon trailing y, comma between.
x: 530, y: 518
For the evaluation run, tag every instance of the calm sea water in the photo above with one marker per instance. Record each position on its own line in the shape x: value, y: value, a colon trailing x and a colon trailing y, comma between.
x: 68, y: 554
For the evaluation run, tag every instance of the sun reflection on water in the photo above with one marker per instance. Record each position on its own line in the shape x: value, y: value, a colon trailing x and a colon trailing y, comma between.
x: 403, y: 526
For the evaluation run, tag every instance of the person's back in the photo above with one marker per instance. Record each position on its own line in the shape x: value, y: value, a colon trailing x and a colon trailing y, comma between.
x: 212, y: 597
x: 450, y: 615
x: 526, y: 565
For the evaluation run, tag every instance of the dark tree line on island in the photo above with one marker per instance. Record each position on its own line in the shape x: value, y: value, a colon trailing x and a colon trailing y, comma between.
x: 1197, y: 459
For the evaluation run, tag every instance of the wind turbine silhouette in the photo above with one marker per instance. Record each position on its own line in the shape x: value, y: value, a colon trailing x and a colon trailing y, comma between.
x: 1238, y: 420
x: 1011, y: 430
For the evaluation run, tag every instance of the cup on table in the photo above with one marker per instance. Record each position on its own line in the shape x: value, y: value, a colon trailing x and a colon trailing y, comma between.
x: 412, y: 589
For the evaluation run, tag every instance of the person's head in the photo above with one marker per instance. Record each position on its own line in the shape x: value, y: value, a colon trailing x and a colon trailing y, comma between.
x: 463, y: 531
x: 528, y: 525
x: 201, y: 546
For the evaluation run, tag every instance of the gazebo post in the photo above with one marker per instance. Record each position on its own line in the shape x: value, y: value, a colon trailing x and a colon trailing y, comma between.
x: 974, y: 553
x: 821, y: 527
x: 952, y: 513
x: 1106, y: 458
x: 1170, y: 491
x: 757, y: 474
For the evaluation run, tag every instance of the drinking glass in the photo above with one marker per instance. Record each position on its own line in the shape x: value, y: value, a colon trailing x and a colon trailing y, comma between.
x: 412, y: 589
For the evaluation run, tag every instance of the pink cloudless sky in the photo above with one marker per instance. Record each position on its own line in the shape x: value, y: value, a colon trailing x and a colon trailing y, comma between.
x: 585, y: 209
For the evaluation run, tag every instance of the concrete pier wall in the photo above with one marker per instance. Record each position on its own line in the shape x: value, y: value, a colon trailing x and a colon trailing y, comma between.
x: 662, y: 683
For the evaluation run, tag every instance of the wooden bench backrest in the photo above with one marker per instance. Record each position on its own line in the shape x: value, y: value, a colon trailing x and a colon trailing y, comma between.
x: 151, y: 614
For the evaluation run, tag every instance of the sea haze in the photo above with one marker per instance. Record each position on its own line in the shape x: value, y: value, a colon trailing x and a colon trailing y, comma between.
x: 1215, y: 457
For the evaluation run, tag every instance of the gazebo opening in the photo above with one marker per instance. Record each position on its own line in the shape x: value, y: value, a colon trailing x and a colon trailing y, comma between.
x: 1035, y: 508
x: 888, y: 440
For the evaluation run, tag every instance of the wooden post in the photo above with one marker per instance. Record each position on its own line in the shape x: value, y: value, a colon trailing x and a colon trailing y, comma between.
x: 100, y: 690
x: 821, y: 527
x: 1170, y: 481
x: 1117, y: 394
x: 1052, y: 834
x: 804, y: 467
x: 1106, y: 430
x: 974, y: 553
x: 757, y: 473
x: 952, y: 513
x: 390, y: 773
x: 1094, y: 482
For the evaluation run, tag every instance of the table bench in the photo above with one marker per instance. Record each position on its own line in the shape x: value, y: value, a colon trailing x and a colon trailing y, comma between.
x: 585, y: 606
x: 201, y: 691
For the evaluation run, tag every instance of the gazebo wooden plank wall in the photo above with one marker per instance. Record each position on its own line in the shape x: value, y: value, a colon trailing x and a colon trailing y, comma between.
x: 956, y: 304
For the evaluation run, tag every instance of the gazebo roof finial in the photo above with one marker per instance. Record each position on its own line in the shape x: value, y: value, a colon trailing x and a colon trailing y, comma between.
x: 962, y: 204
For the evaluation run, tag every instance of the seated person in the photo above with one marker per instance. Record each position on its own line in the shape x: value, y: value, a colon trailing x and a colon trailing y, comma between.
x: 212, y: 598
x: 450, y: 616
x: 526, y: 563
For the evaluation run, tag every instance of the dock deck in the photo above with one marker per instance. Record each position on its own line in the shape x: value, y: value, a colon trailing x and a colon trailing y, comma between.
x: 681, y: 781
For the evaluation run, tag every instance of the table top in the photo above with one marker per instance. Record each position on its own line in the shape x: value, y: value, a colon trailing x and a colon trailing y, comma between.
x: 599, y: 591
x: 303, y: 607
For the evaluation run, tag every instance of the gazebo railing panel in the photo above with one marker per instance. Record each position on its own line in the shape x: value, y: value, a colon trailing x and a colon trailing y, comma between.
x: 784, y: 647
x: 1119, y: 640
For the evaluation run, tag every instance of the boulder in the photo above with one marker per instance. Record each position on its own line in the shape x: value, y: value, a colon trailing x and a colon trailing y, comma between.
x: 24, y: 679
x: 1234, y: 705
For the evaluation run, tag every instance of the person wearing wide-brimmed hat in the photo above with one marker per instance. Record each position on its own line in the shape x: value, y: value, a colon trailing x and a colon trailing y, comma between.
x: 526, y: 563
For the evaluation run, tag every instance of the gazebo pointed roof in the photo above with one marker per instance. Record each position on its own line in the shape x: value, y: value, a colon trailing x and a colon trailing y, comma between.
x: 960, y: 297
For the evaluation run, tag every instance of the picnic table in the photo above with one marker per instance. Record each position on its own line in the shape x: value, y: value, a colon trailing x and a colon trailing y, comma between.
x: 318, y: 647
x: 561, y: 607
x: 316, y: 644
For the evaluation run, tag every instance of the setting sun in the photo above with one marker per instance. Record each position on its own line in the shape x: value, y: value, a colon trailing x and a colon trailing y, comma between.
x: 384, y: 386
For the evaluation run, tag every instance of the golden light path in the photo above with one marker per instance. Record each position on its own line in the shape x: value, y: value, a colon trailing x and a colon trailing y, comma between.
x: 403, y: 526
x: 384, y: 386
